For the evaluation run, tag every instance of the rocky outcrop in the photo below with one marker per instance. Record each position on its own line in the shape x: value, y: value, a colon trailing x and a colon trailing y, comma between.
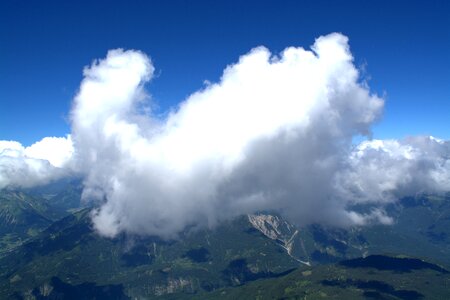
x: 174, y: 285
x: 276, y: 229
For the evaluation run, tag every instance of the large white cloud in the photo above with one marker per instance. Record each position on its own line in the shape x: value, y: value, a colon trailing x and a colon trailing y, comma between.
x: 275, y: 133
x: 271, y: 134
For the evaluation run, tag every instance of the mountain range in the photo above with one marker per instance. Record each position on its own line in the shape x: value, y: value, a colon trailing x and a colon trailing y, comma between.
x: 49, y: 250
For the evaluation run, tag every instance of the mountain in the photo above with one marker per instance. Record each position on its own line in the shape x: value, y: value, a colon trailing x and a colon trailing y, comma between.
x: 25, y: 213
x: 68, y: 260
x: 69, y: 251
x: 372, y: 277
x: 63, y: 195
x: 421, y: 228
x: 21, y: 216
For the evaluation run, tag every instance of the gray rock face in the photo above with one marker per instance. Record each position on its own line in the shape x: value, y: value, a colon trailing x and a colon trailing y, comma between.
x: 277, y: 229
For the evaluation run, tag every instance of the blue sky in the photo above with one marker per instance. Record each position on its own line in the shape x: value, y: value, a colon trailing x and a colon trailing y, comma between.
x: 404, y: 47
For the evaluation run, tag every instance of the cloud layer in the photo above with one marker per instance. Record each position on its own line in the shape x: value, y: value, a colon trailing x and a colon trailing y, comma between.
x: 275, y: 133
x: 383, y: 171
x: 37, y: 164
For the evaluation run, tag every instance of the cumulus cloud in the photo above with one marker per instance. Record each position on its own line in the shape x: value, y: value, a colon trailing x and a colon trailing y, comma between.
x: 385, y: 170
x: 37, y: 164
x: 274, y: 133
x: 271, y: 134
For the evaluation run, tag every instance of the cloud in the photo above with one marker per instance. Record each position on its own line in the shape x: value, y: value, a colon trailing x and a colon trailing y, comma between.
x: 383, y: 171
x: 37, y: 164
x: 56, y: 150
x: 274, y: 133
x: 271, y: 134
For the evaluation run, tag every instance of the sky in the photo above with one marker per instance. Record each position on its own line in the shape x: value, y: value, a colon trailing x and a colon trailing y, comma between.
x: 179, y: 114
x: 401, y: 48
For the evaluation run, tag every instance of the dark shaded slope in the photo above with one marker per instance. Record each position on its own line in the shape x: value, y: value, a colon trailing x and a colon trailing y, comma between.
x: 337, y: 281
x: 388, y: 263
